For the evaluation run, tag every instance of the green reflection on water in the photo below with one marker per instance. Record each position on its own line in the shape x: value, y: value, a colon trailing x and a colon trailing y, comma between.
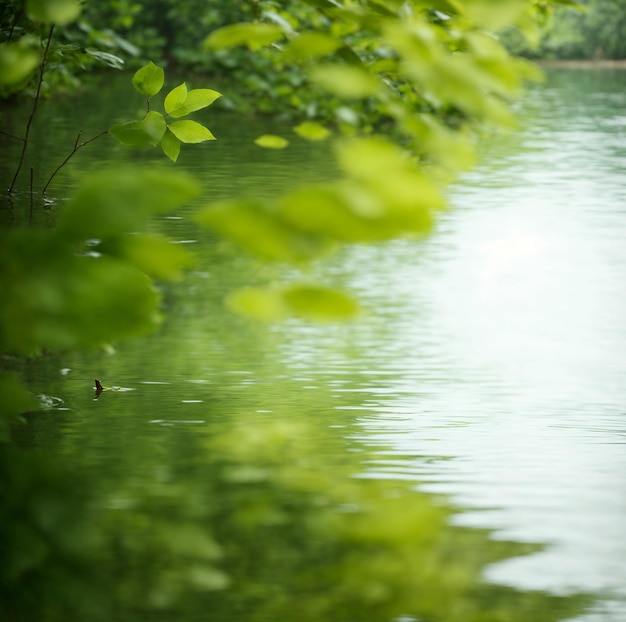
x: 189, y: 501
x: 231, y: 514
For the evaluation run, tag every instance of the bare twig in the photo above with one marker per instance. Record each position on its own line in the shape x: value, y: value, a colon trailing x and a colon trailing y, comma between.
x: 42, y: 68
x: 18, y: 138
x: 77, y: 145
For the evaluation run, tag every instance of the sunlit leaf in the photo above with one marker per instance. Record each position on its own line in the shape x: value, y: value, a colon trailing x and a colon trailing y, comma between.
x: 196, y: 99
x: 190, y: 132
x: 271, y: 141
x: 53, y: 11
x: 149, y: 79
x: 346, y: 81
x: 312, y: 131
x: 255, y: 36
x: 170, y: 145
x: 175, y: 98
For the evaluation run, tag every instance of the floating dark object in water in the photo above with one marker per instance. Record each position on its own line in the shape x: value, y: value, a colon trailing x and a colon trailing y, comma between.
x: 100, y: 388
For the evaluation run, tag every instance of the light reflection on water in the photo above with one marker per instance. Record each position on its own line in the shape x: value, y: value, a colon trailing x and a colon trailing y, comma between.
x: 498, y: 346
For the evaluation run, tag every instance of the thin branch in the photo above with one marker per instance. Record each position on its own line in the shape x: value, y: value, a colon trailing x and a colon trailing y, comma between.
x: 18, y: 138
x: 77, y: 145
x: 42, y: 68
x: 16, y: 18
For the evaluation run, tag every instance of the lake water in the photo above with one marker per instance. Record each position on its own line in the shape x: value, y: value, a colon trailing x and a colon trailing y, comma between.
x: 488, y: 372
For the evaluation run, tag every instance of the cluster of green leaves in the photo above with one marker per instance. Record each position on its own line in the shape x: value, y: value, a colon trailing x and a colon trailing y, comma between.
x: 154, y: 128
x: 409, y: 86
x: 93, y: 264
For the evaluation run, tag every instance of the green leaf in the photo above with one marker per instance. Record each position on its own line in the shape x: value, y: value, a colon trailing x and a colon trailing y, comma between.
x: 121, y: 201
x: 311, y: 302
x: 190, y: 132
x: 69, y: 300
x: 312, y: 131
x: 131, y: 134
x: 311, y: 45
x: 151, y: 253
x: 315, y: 302
x: 154, y: 126
x: 492, y: 15
x: 179, y: 102
x: 149, y: 79
x: 175, y: 98
x: 17, y: 61
x: 258, y: 303
x: 148, y: 131
x: 170, y: 145
x: 53, y: 11
x: 111, y: 60
x: 255, y: 36
x: 270, y: 141
x: 255, y: 227
x: 346, y: 81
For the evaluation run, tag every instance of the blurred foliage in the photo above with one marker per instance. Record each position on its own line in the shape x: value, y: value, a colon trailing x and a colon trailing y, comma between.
x: 407, y: 86
x: 76, y: 49
x: 594, y: 29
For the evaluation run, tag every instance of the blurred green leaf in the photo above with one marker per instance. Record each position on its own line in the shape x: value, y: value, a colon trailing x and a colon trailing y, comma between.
x: 271, y: 141
x: 62, y: 300
x: 149, y: 79
x: 53, y: 11
x: 311, y: 44
x: 190, y: 132
x: 346, y: 81
x: 257, y: 303
x: 260, y: 230
x: 121, y: 201
x: 312, y: 131
x: 493, y: 15
x: 255, y: 36
x: 151, y: 253
x: 311, y: 302
x: 17, y: 61
x: 315, y: 302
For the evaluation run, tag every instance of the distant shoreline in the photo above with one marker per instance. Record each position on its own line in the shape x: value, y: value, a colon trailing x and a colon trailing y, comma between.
x: 584, y: 64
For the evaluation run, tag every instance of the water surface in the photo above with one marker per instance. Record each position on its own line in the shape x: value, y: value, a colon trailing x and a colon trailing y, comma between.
x: 489, y: 367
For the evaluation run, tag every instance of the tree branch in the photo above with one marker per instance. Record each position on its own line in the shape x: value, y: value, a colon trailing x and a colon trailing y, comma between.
x: 77, y: 145
x: 42, y: 68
